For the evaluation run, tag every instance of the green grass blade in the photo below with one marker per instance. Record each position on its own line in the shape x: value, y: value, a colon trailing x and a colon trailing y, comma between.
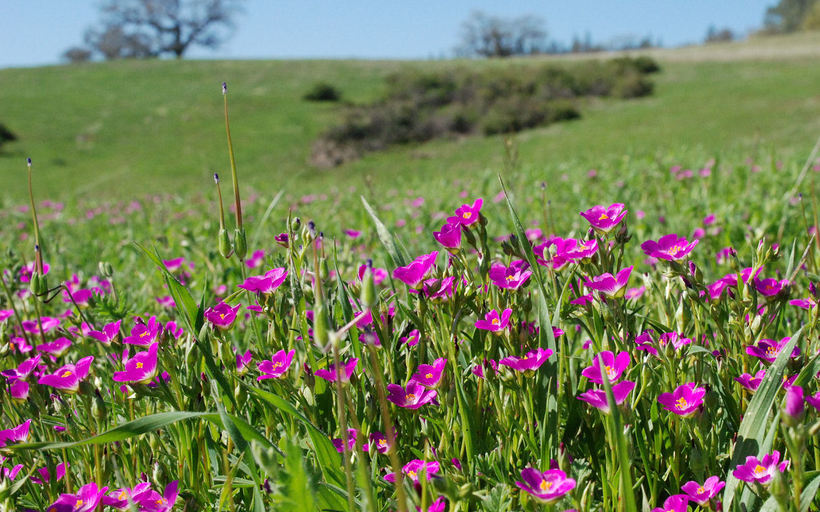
x: 753, y: 429
x: 185, y: 303
x: 326, y: 454
x: 395, y: 251
x: 127, y: 430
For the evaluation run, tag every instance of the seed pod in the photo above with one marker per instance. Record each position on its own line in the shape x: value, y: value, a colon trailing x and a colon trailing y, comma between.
x: 320, y: 325
x: 240, y: 243
x: 225, y: 248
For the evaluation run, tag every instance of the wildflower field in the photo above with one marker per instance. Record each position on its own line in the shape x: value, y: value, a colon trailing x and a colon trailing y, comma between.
x: 642, y: 335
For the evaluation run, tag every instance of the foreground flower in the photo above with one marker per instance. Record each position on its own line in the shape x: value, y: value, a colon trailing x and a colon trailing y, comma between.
x: 674, y: 503
x: 330, y: 373
x: 532, y: 361
x: 412, y: 469
x: 548, y: 486
x: 119, y: 498
x: 380, y: 442
x: 267, y: 283
x: 603, y: 219
x: 760, y: 470
x: 68, y: 377
x: 144, y: 334
x: 23, y: 370
x: 770, y: 287
x: 86, y: 500
x: 141, y: 368
x: 749, y: 382
x: 17, y: 434
x: 597, y: 397
x: 609, y: 285
x: 701, y: 494
x: 412, y: 397
x: 338, y: 443
x: 449, y: 236
x: 558, y: 252
x: 466, y: 214
x: 429, y: 375
x: 614, y: 367
x: 413, y: 274
x: 151, y: 501
x: 793, y: 408
x: 108, y: 334
x: 222, y: 315
x: 768, y: 350
x: 669, y: 247
x: 494, y: 323
x: 277, y: 366
x: 510, y: 278
x: 684, y: 401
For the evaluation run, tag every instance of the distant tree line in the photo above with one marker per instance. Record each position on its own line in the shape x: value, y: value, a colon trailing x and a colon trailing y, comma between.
x: 131, y: 29
x: 484, y: 35
x: 792, y: 16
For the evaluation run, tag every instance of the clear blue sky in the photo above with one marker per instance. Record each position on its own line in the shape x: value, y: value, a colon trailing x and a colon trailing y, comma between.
x: 36, y: 32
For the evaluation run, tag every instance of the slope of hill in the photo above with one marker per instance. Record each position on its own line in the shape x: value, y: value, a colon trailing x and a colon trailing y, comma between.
x: 142, y: 127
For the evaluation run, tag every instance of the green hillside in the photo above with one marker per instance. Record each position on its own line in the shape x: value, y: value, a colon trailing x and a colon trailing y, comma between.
x: 156, y: 126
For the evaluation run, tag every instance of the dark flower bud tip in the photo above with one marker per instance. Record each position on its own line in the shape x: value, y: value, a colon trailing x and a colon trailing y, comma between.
x: 216, y: 178
x: 28, y: 162
x: 224, y: 88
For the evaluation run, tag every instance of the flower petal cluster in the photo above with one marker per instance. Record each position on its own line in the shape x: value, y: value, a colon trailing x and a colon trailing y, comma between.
x: 547, y: 486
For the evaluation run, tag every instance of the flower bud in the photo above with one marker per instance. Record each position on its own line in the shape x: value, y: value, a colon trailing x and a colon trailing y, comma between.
x: 240, y: 243
x: 320, y: 325
x: 106, y: 270
x: 369, y: 295
x: 98, y: 408
x: 225, y: 248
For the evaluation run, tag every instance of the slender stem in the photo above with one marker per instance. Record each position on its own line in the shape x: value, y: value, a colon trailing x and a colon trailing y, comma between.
x: 237, y: 202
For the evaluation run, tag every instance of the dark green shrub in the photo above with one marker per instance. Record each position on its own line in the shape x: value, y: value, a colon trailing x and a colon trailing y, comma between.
x: 6, y: 135
x: 322, y: 91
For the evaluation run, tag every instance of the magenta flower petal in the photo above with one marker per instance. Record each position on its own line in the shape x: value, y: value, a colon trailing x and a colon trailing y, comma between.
x: 411, y: 397
x: 493, y: 322
x: 428, y: 375
x: 141, y: 368
x: 597, y: 397
x: 222, y: 315
x: 532, y: 361
x: 669, y: 247
x: 614, y: 367
x: 674, y: 503
x: 277, y: 366
x: 760, y: 470
x: 684, y: 401
x: 413, y: 274
x: 701, y: 494
x: 331, y: 374
x: 548, y: 486
x: 603, y: 219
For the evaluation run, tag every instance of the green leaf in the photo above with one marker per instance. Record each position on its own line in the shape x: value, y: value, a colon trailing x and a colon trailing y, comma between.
x: 134, y: 428
x: 752, y: 433
x: 621, y: 447
x: 185, y: 304
x: 326, y: 454
x: 297, y: 492
x: 396, y: 252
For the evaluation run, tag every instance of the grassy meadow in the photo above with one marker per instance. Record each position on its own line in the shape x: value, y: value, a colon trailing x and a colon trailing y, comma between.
x: 617, y: 313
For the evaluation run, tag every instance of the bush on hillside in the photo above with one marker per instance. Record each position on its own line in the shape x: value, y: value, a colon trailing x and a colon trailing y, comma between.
x: 6, y: 135
x: 322, y: 91
x: 424, y: 105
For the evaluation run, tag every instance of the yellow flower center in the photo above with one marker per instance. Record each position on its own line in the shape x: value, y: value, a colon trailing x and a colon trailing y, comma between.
x: 122, y: 495
x: 143, y: 334
x: 78, y: 504
x: 496, y: 321
x: 277, y: 365
x: 221, y: 316
x: 510, y: 278
x: 681, y: 403
x: 701, y: 490
x: 545, y: 486
x: 603, y: 217
x: 139, y: 365
x: 412, y: 474
x: 428, y: 376
x: 771, y: 352
x: 382, y: 442
x: 759, y: 469
x: 161, y: 501
x: 467, y: 215
x: 66, y: 374
x: 610, y: 372
x: 410, y: 397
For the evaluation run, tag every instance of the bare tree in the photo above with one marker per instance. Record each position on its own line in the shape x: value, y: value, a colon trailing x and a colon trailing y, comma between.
x: 491, y: 36
x: 148, y: 28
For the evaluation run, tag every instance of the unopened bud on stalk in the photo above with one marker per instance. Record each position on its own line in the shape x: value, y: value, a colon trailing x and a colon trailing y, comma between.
x: 368, y: 286
x: 224, y: 88
x: 98, y: 408
x: 320, y: 325
x: 105, y: 269
x: 240, y: 243
x: 224, y: 241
